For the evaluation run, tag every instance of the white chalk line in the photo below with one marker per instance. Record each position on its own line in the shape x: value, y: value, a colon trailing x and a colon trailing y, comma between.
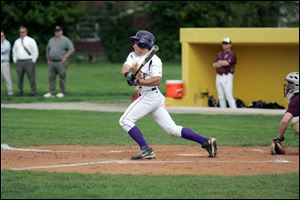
x: 147, y: 162
x: 6, y: 147
x: 259, y: 150
x: 189, y: 154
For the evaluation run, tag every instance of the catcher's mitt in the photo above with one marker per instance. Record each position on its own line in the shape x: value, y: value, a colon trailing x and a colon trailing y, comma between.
x: 277, y: 147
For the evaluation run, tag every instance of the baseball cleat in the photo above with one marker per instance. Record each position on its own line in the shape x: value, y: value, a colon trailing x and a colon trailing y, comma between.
x: 211, y: 147
x: 147, y: 153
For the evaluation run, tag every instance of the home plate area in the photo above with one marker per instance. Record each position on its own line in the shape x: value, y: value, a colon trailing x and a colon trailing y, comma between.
x: 170, y: 159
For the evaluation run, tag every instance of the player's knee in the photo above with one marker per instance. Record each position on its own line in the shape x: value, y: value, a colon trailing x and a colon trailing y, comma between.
x: 174, y: 131
x: 126, y: 124
x: 121, y: 122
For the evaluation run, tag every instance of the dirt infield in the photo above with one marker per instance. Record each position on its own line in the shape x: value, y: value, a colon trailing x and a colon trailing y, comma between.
x: 171, y: 159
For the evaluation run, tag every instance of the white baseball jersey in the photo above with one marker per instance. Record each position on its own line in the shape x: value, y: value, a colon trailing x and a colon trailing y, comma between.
x: 151, y: 69
x: 150, y: 101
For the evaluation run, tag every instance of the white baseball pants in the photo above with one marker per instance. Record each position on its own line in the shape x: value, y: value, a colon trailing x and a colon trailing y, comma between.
x: 224, y: 84
x: 150, y: 103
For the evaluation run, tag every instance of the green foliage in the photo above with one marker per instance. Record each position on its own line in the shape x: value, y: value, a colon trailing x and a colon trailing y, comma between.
x: 118, y: 20
x: 165, y: 18
x: 179, y: 14
x: 40, y: 17
x: 115, y: 31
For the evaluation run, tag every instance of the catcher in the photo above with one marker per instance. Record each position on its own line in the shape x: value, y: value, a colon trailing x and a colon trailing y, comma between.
x: 291, y: 91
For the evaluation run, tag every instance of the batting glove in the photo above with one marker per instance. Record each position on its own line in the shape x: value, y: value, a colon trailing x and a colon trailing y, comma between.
x: 135, y: 82
x: 129, y: 76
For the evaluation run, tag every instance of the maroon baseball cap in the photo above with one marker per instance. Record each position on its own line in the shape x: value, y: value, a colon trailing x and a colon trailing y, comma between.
x: 58, y: 28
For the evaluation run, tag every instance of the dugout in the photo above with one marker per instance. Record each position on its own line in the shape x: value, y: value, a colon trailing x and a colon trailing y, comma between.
x: 264, y: 57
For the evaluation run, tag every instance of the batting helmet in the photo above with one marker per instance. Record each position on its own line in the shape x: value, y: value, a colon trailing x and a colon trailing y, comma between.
x: 144, y: 39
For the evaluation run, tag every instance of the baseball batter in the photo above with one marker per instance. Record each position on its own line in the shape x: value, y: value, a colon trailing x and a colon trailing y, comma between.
x: 291, y: 91
x: 225, y: 63
x: 150, y: 100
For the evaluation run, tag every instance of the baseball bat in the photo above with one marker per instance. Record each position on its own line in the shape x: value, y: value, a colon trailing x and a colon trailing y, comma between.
x: 149, y: 55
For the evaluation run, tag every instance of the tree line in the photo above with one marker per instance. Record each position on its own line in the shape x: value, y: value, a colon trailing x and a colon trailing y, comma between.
x: 118, y: 20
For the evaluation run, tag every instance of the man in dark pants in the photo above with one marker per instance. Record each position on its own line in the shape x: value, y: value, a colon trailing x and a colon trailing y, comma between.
x: 58, y: 51
x: 25, y: 54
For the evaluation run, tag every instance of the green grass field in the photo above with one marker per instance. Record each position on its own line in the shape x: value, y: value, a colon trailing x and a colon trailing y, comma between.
x: 85, y: 82
x: 56, y: 127
x: 102, y: 83
x: 75, y: 186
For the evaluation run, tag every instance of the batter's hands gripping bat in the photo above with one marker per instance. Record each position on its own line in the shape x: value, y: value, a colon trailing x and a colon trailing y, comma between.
x: 130, y: 76
x: 149, y: 55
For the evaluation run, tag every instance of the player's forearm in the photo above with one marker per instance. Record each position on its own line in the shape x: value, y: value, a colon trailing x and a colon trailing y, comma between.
x: 284, y: 123
x: 216, y: 65
x: 223, y: 62
x: 282, y: 127
x: 220, y: 63
x: 125, y: 68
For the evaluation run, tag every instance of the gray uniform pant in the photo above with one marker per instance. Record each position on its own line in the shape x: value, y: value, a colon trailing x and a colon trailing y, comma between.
x: 60, y: 69
x: 28, y: 67
x: 5, y: 73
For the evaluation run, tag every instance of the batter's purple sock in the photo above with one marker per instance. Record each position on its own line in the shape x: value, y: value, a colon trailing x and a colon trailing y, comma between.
x: 137, y: 135
x: 189, y: 134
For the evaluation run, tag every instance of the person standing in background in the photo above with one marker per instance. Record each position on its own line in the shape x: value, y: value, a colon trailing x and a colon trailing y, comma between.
x: 5, y: 67
x: 224, y: 64
x: 25, y: 54
x: 58, y: 51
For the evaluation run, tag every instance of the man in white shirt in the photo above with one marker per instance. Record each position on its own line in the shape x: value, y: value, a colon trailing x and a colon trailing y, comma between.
x: 25, y: 54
